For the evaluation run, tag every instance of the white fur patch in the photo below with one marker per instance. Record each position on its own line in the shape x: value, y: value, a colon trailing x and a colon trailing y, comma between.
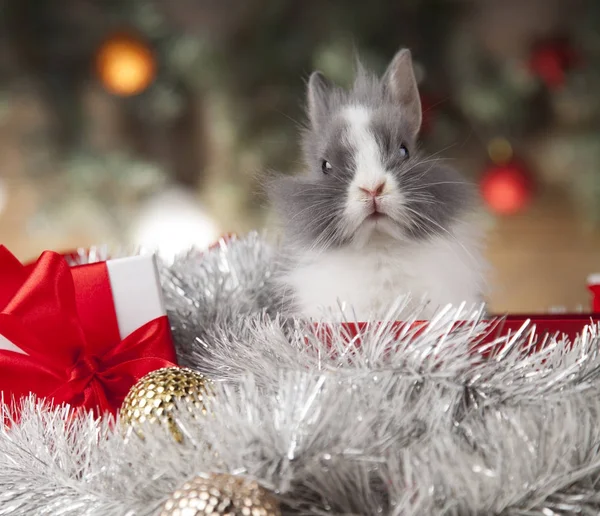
x: 368, y: 281
x: 370, y: 173
x: 369, y: 165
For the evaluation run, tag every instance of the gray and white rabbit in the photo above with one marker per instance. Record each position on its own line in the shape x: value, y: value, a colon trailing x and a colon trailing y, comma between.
x: 373, y: 219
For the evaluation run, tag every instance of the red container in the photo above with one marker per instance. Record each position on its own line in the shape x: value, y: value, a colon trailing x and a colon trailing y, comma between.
x: 568, y: 326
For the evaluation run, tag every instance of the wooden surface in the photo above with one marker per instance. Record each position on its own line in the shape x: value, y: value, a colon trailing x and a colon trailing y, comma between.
x: 542, y: 258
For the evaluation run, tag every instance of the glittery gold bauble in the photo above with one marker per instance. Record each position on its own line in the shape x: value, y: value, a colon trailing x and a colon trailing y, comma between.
x: 221, y: 495
x: 126, y: 65
x: 158, y: 395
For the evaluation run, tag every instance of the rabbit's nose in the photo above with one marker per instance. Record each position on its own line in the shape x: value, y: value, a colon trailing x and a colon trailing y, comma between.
x: 373, y: 192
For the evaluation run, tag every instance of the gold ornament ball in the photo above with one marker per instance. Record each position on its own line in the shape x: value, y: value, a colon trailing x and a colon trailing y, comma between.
x: 221, y: 495
x: 126, y: 66
x: 156, y: 397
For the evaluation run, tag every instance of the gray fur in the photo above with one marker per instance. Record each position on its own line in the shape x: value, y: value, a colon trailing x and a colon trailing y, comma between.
x: 400, y: 81
x: 311, y: 206
x: 317, y: 98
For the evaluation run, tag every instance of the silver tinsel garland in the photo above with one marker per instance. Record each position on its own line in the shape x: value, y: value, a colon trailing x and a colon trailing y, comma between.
x: 410, y: 424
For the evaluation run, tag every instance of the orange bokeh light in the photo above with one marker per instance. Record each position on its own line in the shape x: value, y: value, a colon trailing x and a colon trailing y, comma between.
x: 126, y: 65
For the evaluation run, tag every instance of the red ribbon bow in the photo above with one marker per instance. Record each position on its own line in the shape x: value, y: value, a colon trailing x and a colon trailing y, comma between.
x: 64, y: 320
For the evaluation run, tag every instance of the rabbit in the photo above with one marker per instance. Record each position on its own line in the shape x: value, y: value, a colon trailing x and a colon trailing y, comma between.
x: 373, y: 220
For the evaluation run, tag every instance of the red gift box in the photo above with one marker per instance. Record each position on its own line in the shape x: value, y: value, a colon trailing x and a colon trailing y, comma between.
x: 486, y: 339
x: 80, y: 335
x: 489, y: 337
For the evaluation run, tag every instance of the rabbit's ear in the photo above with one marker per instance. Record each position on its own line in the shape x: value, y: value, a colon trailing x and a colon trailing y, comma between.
x: 401, y: 85
x: 318, y: 98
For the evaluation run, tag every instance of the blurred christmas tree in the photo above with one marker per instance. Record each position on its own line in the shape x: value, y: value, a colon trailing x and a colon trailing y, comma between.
x: 109, y: 102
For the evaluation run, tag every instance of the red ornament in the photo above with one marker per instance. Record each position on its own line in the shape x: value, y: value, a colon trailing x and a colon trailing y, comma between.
x: 551, y: 60
x: 506, y: 188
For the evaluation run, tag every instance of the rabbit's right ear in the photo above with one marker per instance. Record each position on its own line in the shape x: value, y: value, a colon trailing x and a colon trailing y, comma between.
x: 318, y: 98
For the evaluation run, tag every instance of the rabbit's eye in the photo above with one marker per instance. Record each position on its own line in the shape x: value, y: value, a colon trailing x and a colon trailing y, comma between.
x: 326, y: 166
x: 403, y: 151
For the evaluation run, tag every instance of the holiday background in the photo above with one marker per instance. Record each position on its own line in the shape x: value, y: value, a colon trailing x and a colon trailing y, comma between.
x: 152, y: 122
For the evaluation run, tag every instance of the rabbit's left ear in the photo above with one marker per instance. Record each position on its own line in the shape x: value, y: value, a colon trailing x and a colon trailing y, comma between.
x: 401, y: 85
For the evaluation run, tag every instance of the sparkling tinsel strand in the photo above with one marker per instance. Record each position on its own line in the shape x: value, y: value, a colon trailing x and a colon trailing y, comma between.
x: 405, y: 424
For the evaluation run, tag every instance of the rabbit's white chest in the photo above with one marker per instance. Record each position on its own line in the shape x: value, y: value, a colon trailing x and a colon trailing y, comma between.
x: 367, y: 282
